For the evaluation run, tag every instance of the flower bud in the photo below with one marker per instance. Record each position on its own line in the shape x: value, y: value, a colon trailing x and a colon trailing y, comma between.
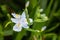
x: 27, y: 4
x: 41, y: 10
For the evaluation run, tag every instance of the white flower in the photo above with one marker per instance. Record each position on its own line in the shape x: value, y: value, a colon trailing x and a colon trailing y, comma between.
x: 31, y: 21
x: 43, y: 28
x: 27, y: 4
x: 20, y: 21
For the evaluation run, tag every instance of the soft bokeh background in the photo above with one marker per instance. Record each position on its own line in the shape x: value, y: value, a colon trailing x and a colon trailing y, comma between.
x: 51, y: 9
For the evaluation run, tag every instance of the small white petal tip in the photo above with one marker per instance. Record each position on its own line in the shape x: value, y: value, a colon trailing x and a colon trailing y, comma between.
x: 13, y: 14
x: 43, y: 28
x: 41, y: 10
x: 31, y: 20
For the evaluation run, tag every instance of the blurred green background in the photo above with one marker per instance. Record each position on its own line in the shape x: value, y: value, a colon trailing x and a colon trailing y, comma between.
x: 51, y: 9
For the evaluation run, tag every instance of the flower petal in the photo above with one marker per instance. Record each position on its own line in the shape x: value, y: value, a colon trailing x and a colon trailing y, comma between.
x: 43, y: 28
x: 16, y: 15
x: 24, y: 25
x: 23, y: 21
x: 23, y: 15
x: 16, y: 28
x: 13, y: 14
x: 14, y: 20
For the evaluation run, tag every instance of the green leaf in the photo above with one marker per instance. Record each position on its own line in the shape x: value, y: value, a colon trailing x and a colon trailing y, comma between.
x: 59, y: 37
x: 1, y: 38
x: 8, y: 32
x: 48, y: 8
x: 7, y: 23
x: 54, y: 36
x: 54, y: 27
x: 1, y: 33
x: 3, y: 7
x: 20, y: 35
x: 54, y: 7
x: 33, y: 3
x: 43, y: 4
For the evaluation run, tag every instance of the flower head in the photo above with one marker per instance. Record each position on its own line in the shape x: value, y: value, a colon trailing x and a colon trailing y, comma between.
x: 20, y: 21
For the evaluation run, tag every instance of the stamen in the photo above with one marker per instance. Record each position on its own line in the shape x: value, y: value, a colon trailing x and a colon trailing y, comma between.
x: 26, y: 21
x: 18, y: 24
x: 17, y: 15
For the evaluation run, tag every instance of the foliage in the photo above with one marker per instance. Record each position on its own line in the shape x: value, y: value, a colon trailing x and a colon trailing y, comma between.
x: 50, y: 8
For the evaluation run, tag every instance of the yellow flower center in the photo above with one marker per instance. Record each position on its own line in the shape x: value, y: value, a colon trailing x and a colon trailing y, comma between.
x: 26, y: 21
x: 18, y: 24
x: 17, y: 15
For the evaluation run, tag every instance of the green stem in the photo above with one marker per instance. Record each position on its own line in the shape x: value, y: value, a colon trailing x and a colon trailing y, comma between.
x: 54, y: 36
x: 27, y: 16
x: 32, y: 30
x: 40, y: 36
x: 7, y: 23
x: 53, y: 27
